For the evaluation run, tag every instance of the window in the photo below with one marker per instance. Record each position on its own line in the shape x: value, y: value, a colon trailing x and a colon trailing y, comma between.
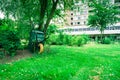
x: 78, y: 18
x: 82, y: 17
x: 84, y: 22
x: 71, y: 23
x: 78, y: 22
x: 71, y: 13
x: 71, y: 18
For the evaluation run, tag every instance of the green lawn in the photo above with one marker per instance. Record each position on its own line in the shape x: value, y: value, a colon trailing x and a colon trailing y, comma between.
x: 89, y: 62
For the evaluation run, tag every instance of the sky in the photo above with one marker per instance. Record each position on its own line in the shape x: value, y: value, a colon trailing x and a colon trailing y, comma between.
x: 1, y: 15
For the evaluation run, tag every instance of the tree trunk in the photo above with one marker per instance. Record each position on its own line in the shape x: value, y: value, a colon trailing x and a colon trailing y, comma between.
x: 101, y: 37
x: 43, y: 8
x: 50, y: 15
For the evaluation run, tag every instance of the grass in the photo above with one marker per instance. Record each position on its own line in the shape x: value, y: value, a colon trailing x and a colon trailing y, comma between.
x: 89, y: 62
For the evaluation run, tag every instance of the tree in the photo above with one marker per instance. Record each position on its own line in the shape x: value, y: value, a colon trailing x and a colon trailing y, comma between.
x: 103, y: 14
x: 33, y: 12
x: 28, y: 13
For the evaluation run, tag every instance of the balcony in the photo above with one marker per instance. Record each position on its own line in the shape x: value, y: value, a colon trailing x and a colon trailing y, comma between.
x: 90, y: 30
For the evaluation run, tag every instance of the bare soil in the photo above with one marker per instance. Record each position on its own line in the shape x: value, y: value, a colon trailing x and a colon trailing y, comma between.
x: 20, y: 54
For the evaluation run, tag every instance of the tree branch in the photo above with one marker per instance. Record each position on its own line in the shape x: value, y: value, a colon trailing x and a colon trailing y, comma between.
x: 50, y: 15
x: 43, y: 8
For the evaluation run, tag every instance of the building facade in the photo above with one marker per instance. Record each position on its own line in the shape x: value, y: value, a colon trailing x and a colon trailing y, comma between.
x: 78, y: 15
x: 76, y: 22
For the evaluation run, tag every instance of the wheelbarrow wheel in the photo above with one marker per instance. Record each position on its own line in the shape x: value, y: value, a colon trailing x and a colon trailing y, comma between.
x: 41, y: 47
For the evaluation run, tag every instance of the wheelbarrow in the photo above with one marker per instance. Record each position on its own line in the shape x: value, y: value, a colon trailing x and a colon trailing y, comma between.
x: 36, y: 41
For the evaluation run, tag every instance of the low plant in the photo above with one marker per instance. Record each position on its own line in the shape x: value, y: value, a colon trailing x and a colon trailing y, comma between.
x: 70, y: 40
x: 52, y: 39
x: 106, y: 40
x: 9, y: 41
x: 1, y: 54
x: 80, y: 41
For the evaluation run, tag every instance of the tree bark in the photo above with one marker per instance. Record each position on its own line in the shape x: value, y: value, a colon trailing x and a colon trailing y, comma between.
x: 43, y: 8
x: 50, y: 15
x: 101, y: 36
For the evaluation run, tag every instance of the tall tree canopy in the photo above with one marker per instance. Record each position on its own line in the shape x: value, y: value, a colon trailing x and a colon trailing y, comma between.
x: 29, y: 12
x: 104, y: 13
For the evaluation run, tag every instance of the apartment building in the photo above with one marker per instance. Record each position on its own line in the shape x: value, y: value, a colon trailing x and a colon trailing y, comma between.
x: 78, y: 15
x: 76, y: 22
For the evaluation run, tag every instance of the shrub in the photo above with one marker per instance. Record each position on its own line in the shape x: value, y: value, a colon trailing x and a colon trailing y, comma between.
x: 74, y: 40
x: 66, y: 39
x: 69, y: 40
x: 52, y: 39
x: 86, y: 38
x: 51, y: 29
x: 60, y: 39
x: 106, y: 40
x: 9, y: 41
x: 80, y: 41
x: 1, y: 54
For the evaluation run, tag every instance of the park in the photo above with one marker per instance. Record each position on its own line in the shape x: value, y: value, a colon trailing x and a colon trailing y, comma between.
x: 59, y: 40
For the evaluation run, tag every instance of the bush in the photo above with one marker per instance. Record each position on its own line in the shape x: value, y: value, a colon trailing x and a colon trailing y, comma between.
x: 52, y: 39
x: 51, y: 29
x: 60, y: 39
x: 69, y: 40
x: 1, y: 54
x: 86, y: 38
x: 9, y: 41
x: 80, y: 41
x: 106, y: 40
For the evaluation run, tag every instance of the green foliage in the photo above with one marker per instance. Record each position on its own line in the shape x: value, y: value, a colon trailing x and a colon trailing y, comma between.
x: 1, y: 54
x: 106, y: 40
x: 103, y: 14
x: 67, y: 63
x: 67, y: 40
x: 51, y: 29
x: 9, y: 41
x: 6, y: 24
x: 28, y: 13
x: 86, y: 38
x: 80, y: 40
x: 61, y: 39
x: 52, y: 39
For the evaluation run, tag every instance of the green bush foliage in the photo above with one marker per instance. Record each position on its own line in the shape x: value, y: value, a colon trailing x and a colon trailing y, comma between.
x: 67, y: 40
x: 106, y: 40
x: 51, y: 29
x: 60, y: 39
x: 80, y: 41
x: 1, y: 54
x: 9, y: 41
x: 70, y: 40
x: 52, y: 39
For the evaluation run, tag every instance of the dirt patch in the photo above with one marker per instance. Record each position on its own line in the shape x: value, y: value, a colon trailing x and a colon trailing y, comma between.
x: 20, y: 54
x: 95, y: 77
